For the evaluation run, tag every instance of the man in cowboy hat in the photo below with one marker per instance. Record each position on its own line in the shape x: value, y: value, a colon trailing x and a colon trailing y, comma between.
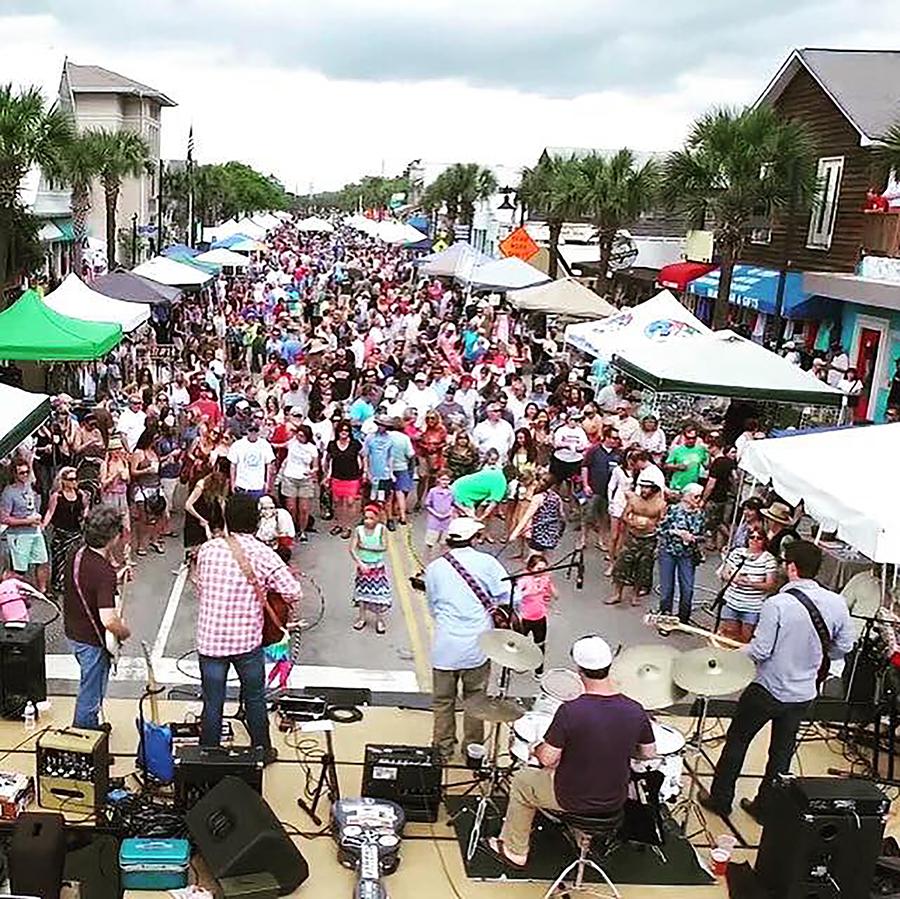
x: 460, y: 586
x: 780, y: 530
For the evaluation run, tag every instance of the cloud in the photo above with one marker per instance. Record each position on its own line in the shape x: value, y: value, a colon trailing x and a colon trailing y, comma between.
x: 557, y: 50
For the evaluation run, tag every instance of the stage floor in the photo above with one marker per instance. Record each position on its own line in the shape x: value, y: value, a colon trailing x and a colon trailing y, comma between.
x: 431, y: 864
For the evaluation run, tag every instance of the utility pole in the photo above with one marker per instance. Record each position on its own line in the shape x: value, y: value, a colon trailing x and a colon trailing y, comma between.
x: 134, y: 220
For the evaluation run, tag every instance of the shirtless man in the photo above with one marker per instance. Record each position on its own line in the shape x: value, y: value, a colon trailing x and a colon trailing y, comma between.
x: 643, y: 512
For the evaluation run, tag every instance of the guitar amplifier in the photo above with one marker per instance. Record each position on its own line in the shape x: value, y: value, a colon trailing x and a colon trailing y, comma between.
x: 23, y: 667
x: 199, y: 768
x: 408, y: 775
x: 73, y: 769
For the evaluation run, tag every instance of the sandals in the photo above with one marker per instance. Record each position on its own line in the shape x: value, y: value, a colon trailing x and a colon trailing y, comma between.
x: 494, y: 847
x: 157, y: 548
x: 140, y: 552
x: 346, y: 534
x: 336, y: 530
x: 359, y: 625
x: 380, y: 628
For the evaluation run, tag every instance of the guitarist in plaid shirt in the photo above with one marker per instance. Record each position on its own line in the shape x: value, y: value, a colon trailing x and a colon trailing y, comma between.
x: 230, y: 620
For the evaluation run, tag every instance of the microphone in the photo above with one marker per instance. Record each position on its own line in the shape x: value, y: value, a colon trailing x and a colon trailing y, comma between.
x: 579, y: 579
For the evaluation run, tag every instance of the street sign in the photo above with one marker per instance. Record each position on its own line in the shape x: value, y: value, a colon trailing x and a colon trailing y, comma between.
x: 624, y: 252
x: 520, y: 244
x: 146, y: 230
x: 462, y: 232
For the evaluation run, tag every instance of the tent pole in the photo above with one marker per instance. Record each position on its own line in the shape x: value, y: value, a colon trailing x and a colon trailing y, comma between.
x: 737, y: 508
x: 818, y: 535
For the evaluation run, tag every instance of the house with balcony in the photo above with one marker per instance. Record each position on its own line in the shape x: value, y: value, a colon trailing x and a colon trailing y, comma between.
x: 842, y: 282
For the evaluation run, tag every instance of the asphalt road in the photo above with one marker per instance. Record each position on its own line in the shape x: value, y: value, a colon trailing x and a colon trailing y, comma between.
x: 161, y: 611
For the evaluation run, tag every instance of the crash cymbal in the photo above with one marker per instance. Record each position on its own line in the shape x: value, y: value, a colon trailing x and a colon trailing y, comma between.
x: 493, y: 709
x: 510, y: 650
x: 709, y: 671
x: 644, y: 673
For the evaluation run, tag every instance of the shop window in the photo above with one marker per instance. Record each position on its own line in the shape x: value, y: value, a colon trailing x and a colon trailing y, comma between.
x: 821, y: 222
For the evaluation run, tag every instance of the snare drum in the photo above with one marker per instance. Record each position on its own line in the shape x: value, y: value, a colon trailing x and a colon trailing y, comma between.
x: 525, y: 732
x: 670, y: 760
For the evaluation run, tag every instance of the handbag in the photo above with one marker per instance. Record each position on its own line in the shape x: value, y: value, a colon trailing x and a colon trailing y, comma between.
x: 276, y: 609
x: 503, y: 617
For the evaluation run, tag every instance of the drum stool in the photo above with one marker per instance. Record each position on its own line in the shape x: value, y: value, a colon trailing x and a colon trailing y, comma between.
x: 588, y: 833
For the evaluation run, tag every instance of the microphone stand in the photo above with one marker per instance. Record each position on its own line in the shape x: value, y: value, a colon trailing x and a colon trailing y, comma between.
x: 719, y: 602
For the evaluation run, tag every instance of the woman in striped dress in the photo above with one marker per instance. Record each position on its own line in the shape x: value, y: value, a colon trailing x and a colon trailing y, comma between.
x: 752, y: 572
x: 372, y: 591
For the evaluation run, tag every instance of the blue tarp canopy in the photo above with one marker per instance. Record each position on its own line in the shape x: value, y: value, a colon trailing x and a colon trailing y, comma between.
x: 757, y: 288
x: 228, y: 242
x: 179, y: 249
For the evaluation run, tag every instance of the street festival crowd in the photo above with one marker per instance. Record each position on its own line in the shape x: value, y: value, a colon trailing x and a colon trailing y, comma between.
x: 333, y: 392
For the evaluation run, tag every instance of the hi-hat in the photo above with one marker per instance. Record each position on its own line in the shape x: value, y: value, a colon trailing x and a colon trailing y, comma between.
x: 510, y: 650
x: 493, y: 708
x: 709, y: 671
x: 644, y: 673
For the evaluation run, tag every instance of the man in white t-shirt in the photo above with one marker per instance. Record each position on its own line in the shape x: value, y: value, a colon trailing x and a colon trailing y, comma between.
x: 421, y: 397
x: 626, y: 424
x: 839, y: 368
x: 494, y: 433
x: 178, y: 393
x: 132, y: 422
x: 251, y: 460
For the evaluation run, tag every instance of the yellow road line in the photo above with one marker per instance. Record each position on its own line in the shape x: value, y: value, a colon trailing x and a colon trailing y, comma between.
x: 423, y: 673
x: 419, y: 598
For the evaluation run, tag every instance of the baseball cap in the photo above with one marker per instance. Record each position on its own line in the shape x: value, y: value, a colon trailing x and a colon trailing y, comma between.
x: 463, y: 528
x: 391, y: 391
x: 652, y: 477
x: 591, y: 653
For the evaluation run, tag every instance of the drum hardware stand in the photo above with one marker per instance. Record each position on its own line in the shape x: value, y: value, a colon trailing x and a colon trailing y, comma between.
x: 328, y: 780
x: 689, y: 805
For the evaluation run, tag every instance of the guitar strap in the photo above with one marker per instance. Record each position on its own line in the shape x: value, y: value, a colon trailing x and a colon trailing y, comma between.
x: 472, y: 584
x: 247, y: 570
x: 76, y: 580
x: 821, y: 629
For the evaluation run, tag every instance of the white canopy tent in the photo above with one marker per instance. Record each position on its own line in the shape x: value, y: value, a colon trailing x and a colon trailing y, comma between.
x: 719, y: 364
x: 567, y: 296
x: 844, y: 478
x: 397, y: 232
x: 223, y: 256
x: 314, y: 224
x: 661, y: 318
x: 175, y: 274
x: 21, y: 414
x: 220, y: 232
x: 250, y: 228
x: 266, y: 220
x: 510, y: 273
x: 458, y: 261
x: 74, y: 298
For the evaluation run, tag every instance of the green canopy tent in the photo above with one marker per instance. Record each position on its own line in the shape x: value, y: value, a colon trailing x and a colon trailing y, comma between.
x: 21, y: 413
x: 30, y: 329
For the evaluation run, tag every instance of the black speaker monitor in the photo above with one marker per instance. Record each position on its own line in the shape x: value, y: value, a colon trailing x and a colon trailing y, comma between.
x: 237, y: 832
x: 37, y: 854
x: 23, y: 667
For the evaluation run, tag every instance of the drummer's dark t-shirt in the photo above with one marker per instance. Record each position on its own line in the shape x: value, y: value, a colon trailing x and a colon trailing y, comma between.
x: 598, y: 736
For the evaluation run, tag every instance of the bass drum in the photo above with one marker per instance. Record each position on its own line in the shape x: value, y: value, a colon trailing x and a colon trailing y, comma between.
x: 669, y: 760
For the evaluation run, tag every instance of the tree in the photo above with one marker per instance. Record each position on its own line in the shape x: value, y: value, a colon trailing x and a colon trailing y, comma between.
x: 556, y: 191
x: 617, y: 192
x: 734, y: 163
x: 30, y: 134
x: 458, y: 188
x: 80, y: 163
x: 123, y: 154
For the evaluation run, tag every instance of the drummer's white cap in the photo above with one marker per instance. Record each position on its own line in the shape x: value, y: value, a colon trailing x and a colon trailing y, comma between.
x: 463, y: 528
x: 592, y: 653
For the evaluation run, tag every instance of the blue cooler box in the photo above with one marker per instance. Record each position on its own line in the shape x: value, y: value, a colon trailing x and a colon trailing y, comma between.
x: 154, y: 864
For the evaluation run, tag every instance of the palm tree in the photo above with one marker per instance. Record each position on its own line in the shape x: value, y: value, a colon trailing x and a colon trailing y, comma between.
x: 30, y: 134
x: 556, y: 191
x: 617, y: 192
x: 81, y: 163
x: 459, y: 188
x: 734, y: 163
x: 123, y: 154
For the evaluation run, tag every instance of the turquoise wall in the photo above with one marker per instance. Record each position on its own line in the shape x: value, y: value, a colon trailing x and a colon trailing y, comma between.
x: 848, y: 326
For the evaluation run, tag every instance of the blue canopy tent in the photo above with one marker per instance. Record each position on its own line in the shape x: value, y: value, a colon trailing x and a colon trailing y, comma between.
x: 228, y: 242
x: 180, y: 250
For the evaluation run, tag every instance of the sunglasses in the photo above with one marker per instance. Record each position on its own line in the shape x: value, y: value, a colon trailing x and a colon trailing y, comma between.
x: 757, y: 536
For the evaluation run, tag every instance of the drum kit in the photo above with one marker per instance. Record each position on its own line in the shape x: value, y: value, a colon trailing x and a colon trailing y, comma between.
x: 656, y: 676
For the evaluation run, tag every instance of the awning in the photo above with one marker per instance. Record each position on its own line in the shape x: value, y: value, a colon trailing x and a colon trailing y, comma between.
x: 67, y: 228
x: 677, y: 275
x: 853, y: 289
x: 125, y: 285
x: 49, y: 233
x: 756, y: 288
x: 74, y: 298
x: 21, y: 414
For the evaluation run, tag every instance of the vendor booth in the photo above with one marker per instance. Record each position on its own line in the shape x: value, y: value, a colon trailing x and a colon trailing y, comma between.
x: 660, y: 321
x: 74, y: 298
x: 567, y: 296
x: 506, y: 274
x: 315, y: 225
x: 21, y: 413
x: 224, y: 257
x: 457, y: 261
x: 175, y: 274
x: 128, y: 286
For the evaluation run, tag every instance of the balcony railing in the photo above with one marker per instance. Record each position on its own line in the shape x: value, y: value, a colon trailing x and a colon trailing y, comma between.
x: 881, y: 234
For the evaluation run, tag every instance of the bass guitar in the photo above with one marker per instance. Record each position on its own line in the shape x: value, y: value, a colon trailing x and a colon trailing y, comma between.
x: 665, y: 624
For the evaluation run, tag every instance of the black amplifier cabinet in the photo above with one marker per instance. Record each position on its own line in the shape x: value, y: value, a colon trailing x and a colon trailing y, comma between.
x: 199, y: 768
x: 407, y: 775
x: 822, y: 838
x: 73, y: 769
x: 23, y: 667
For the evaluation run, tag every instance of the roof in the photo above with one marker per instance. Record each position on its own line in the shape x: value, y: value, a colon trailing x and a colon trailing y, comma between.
x: 862, y: 84
x: 641, y: 157
x: 97, y: 80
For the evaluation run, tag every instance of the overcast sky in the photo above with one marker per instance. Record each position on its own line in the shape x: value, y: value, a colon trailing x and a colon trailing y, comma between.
x: 324, y: 92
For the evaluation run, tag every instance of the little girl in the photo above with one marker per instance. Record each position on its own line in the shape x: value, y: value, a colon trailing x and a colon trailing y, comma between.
x: 535, y: 590
x: 368, y: 548
x: 280, y: 654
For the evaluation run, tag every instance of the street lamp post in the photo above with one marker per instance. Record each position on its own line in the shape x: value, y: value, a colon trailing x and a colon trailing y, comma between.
x: 134, y: 219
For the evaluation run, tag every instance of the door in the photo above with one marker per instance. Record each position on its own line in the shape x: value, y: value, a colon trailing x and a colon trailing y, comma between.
x: 866, y: 361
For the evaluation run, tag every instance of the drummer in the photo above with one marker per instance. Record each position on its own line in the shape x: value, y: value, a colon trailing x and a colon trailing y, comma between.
x: 585, y: 755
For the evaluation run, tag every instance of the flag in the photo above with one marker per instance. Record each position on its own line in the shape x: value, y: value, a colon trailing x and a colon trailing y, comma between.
x: 190, y: 148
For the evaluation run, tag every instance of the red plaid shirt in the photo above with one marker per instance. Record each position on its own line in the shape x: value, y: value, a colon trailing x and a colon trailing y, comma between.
x: 230, y: 621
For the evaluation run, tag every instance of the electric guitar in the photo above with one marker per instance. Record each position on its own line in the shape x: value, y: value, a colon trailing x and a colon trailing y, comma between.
x: 113, y: 644
x: 155, y: 754
x: 665, y: 624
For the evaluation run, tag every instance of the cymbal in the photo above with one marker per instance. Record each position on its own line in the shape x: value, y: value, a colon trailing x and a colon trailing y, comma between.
x: 644, y: 673
x: 709, y: 671
x: 510, y: 650
x: 493, y: 709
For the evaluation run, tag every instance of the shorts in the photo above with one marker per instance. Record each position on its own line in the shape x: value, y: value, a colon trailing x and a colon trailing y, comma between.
x: 344, y: 489
x: 598, y: 508
x: 26, y: 550
x: 169, y: 486
x: 119, y: 502
x: 403, y: 481
x: 432, y: 538
x: 430, y: 466
x: 381, y: 491
x: 634, y: 564
x: 729, y: 614
x: 564, y: 470
x: 298, y: 488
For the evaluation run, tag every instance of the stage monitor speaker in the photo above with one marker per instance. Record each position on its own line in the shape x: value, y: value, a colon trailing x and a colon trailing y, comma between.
x: 37, y: 854
x: 822, y: 838
x: 23, y: 668
x: 237, y: 833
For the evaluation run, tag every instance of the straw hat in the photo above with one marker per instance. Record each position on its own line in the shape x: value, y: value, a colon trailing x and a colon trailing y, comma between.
x: 779, y: 512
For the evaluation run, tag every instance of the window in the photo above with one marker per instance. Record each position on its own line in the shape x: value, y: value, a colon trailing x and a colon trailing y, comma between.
x: 821, y: 222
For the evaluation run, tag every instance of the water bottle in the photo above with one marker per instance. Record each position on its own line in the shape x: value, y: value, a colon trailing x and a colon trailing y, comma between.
x: 30, y: 715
